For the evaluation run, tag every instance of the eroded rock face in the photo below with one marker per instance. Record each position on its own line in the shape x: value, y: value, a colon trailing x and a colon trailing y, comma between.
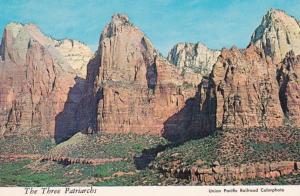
x: 76, y: 54
x: 39, y: 90
x: 131, y: 88
x: 257, y: 86
x: 134, y: 89
x: 246, y: 91
x: 277, y: 34
x: 193, y: 57
x: 288, y: 73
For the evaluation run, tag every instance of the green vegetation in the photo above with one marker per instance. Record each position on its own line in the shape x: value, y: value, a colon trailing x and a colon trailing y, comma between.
x: 226, y: 147
x: 273, y: 151
x: 259, y: 145
x: 191, y: 151
x: 107, y: 145
x: 126, y: 146
x: 16, y: 174
x: 145, y: 177
x: 105, y: 170
x: 19, y: 173
x: 25, y: 144
x: 235, y: 147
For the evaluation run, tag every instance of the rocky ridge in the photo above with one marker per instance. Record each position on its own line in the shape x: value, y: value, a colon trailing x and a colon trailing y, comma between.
x: 39, y: 88
x: 130, y: 87
x: 288, y: 80
x: 134, y: 88
x: 250, y: 85
x: 193, y: 57
x: 224, y: 174
x: 246, y: 90
x: 277, y: 34
x: 76, y: 54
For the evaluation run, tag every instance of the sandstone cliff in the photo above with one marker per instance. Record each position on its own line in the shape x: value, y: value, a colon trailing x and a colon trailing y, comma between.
x: 277, y: 34
x: 133, y: 88
x: 76, y: 54
x: 193, y: 57
x: 257, y: 86
x: 129, y: 87
x: 288, y: 73
x: 245, y: 89
x: 39, y: 89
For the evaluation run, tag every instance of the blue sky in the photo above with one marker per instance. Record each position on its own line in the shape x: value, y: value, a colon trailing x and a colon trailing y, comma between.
x: 216, y: 23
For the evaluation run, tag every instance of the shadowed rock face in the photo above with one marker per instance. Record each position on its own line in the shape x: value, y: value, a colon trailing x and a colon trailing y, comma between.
x: 143, y: 93
x: 129, y: 87
x: 132, y: 87
x: 246, y: 90
x: 257, y: 86
x: 288, y: 73
x: 277, y: 34
x: 195, y: 58
x: 37, y: 84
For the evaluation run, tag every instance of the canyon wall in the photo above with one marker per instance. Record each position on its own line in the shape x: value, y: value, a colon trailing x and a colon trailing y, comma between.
x: 196, y: 58
x: 246, y: 90
x: 39, y: 89
x: 258, y: 86
x: 277, y: 34
x: 59, y: 87
x: 288, y: 73
x: 134, y: 89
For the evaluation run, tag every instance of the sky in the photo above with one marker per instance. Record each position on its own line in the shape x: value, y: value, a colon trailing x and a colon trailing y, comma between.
x: 216, y: 23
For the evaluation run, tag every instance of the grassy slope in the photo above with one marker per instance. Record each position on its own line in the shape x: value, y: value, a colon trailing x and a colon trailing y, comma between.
x: 16, y: 174
x: 106, y: 145
x: 236, y: 147
x: 25, y: 144
x: 233, y: 147
x: 28, y: 173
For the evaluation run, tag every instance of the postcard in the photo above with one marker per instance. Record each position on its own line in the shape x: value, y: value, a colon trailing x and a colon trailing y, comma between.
x: 191, y: 97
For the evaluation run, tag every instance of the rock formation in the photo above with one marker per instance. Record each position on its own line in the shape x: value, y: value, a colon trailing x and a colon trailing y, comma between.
x: 193, y: 57
x: 288, y: 73
x: 224, y: 174
x: 277, y: 34
x: 76, y: 54
x: 246, y: 91
x: 39, y: 89
x: 251, y: 87
x: 128, y: 86
x: 133, y: 88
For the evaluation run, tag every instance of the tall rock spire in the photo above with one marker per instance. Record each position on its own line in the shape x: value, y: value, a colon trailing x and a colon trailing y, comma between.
x: 134, y: 88
x: 125, y: 51
x: 277, y: 34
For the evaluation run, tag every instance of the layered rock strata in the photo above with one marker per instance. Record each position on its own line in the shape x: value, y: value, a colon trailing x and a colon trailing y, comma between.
x: 76, y: 54
x: 222, y: 174
x: 134, y: 89
x: 257, y: 86
x: 277, y: 34
x: 130, y: 87
x: 195, y: 58
x: 288, y: 73
x: 39, y: 89
x: 245, y: 89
